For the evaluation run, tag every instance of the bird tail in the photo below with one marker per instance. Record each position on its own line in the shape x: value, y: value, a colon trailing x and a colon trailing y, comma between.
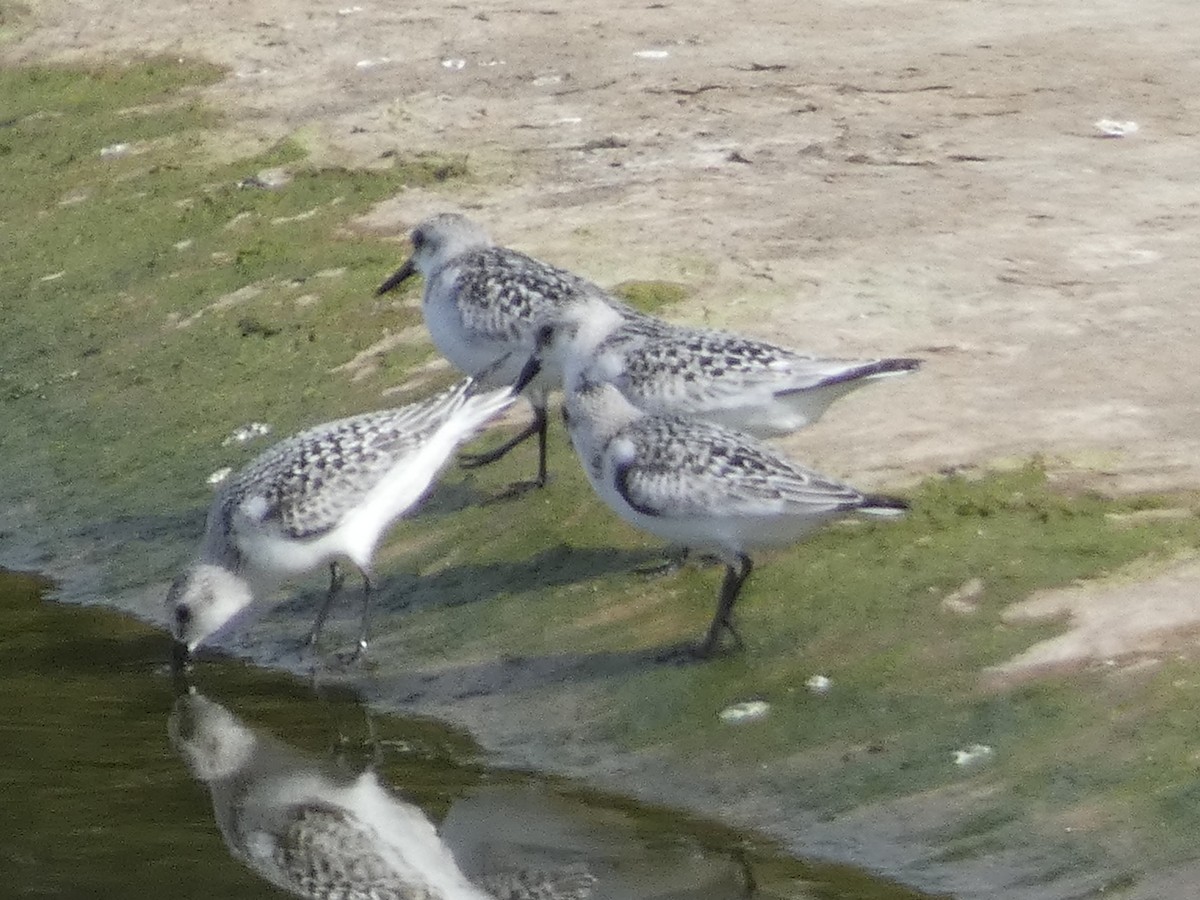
x: 880, y: 368
x: 481, y: 406
x: 879, y: 505
x: 849, y: 376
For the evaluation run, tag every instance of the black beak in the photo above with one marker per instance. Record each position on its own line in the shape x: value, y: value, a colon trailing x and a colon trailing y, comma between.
x: 402, y: 274
x: 530, y: 372
x: 181, y: 660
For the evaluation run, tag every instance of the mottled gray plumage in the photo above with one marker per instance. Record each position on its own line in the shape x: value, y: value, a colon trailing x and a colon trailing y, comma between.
x: 484, y: 305
x: 309, y: 481
x: 703, y: 486
x: 501, y: 294
x: 684, y: 467
x: 573, y: 882
x: 695, y: 356
x: 324, y: 852
x: 325, y: 495
x: 728, y: 379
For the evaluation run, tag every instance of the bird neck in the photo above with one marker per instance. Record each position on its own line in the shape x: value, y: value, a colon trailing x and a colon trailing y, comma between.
x: 602, y: 409
x: 587, y: 326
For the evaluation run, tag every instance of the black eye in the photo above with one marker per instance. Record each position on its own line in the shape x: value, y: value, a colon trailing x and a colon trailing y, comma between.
x: 183, y: 615
x: 418, y: 239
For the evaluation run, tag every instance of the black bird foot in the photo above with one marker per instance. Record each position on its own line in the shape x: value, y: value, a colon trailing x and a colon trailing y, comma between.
x: 515, y: 491
x: 478, y: 460
x: 685, y: 654
x: 713, y: 645
x: 674, y: 561
x: 352, y: 658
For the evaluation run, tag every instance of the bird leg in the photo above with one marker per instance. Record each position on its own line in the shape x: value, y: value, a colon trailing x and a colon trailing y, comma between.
x: 539, y: 427
x: 476, y: 460
x: 181, y: 666
x: 336, y: 579
x: 735, y: 576
x: 367, y: 577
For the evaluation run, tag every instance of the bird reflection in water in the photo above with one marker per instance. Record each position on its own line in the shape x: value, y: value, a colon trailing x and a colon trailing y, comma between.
x: 313, y: 830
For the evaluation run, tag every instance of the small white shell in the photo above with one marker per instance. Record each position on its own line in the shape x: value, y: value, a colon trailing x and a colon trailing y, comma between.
x: 747, y: 711
x: 973, y: 755
x: 220, y: 475
x: 1114, y: 129
x: 819, y: 684
x: 247, y: 433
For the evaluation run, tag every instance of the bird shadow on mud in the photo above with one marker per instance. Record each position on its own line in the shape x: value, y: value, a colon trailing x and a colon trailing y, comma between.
x: 470, y: 582
x: 515, y: 675
x: 399, y: 594
x: 448, y: 497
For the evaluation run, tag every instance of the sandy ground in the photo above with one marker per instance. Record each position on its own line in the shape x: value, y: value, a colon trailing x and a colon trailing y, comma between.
x: 854, y: 178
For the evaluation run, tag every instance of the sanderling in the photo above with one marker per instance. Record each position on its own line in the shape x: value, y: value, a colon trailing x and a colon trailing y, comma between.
x: 326, y: 494
x: 308, y: 827
x: 482, y: 305
x: 305, y: 827
x: 703, y: 486
x: 723, y: 378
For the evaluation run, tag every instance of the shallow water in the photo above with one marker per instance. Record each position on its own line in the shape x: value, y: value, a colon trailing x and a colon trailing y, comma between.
x: 123, y: 781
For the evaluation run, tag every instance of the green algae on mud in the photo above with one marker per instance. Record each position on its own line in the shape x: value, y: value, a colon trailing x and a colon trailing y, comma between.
x: 651, y: 296
x: 861, y: 605
x: 155, y: 298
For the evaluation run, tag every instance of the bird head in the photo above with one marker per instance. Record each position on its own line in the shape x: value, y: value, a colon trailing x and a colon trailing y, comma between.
x: 202, y: 600
x: 435, y: 241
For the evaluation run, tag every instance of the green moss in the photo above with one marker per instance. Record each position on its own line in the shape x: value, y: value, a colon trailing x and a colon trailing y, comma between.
x: 651, y: 296
x: 154, y: 301
x: 860, y: 604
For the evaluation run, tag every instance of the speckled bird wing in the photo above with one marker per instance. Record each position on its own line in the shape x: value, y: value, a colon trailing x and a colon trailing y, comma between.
x: 677, y: 468
x: 309, y: 482
x: 571, y: 882
x: 324, y: 851
x: 715, y: 368
x: 501, y: 294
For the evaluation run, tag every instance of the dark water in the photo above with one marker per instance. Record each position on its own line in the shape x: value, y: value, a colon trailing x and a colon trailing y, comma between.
x: 120, y: 781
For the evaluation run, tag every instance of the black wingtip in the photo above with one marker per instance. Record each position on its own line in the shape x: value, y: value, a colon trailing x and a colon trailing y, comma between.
x: 880, y: 368
x: 883, y: 505
x: 900, y: 365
